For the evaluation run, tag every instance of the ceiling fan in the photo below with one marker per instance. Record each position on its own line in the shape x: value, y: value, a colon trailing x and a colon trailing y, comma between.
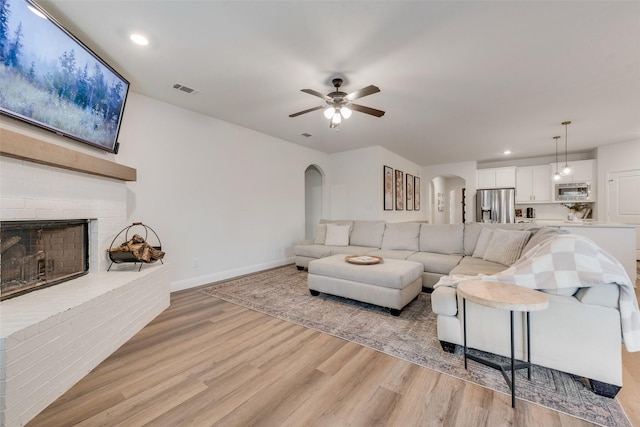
x: 340, y: 103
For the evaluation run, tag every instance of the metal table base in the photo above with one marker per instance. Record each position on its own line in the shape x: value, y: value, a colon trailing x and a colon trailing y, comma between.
x: 513, y: 366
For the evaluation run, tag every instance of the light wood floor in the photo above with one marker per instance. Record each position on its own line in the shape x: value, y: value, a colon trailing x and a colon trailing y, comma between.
x: 208, y: 362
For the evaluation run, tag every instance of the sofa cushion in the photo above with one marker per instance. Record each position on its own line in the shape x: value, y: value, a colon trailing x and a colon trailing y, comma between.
x: 402, y: 236
x: 442, y: 238
x: 436, y: 263
x: 506, y: 246
x: 337, y: 235
x: 349, y: 250
x: 367, y: 233
x: 567, y: 292
x: 471, y: 266
x: 336, y: 221
x: 444, y: 301
x: 391, y: 254
x: 472, y: 231
x: 321, y: 234
x: 312, y: 251
x: 483, y: 242
x: 607, y: 295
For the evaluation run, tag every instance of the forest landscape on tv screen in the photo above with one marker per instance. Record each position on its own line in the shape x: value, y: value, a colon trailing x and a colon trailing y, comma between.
x: 50, y: 79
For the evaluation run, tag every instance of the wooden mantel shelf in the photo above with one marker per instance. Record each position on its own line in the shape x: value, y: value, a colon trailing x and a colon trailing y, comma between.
x: 19, y: 146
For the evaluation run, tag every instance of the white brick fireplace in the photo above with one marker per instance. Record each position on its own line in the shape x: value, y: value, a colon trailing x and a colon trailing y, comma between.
x: 51, y: 338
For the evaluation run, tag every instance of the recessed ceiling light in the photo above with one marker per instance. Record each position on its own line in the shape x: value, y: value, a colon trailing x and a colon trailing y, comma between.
x: 507, y: 152
x: 36, y: 12
x: 139, y: 39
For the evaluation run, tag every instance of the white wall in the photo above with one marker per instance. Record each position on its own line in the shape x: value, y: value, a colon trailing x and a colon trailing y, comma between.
x: 351, y: 183
x: 356, y: 185
x: 225, y: 200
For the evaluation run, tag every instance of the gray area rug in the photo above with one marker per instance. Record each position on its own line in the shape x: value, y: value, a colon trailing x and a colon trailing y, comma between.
x: 412, y: 336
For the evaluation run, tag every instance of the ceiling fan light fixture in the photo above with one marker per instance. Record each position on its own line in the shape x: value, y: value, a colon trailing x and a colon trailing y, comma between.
x: 338, y: 101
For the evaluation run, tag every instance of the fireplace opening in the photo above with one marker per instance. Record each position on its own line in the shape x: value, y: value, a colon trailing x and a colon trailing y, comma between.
x: 38, y: 254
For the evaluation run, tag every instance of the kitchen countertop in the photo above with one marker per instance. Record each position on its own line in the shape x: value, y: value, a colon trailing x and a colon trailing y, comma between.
x: 581, y: 223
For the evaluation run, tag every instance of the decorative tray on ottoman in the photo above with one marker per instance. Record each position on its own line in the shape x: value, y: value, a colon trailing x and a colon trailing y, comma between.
x: 363, y: 259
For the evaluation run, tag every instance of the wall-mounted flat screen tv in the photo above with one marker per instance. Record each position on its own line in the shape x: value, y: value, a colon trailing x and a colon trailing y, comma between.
x: 50, y: 79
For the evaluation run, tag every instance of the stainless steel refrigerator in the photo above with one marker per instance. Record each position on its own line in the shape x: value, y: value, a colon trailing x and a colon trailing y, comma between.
x: 495, y: 205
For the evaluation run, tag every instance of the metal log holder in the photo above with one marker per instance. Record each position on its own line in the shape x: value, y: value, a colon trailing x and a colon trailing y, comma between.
x: 128, y: 256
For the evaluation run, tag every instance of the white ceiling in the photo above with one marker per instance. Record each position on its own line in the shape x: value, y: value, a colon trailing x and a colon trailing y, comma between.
x: 459, y: 81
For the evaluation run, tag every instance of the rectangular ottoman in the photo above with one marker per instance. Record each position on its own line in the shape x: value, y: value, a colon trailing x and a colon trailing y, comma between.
x: 392, y: 284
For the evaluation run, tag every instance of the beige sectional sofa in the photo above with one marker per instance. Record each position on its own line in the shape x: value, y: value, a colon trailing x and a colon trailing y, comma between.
x: 442, y: 249
x: 579, y: 333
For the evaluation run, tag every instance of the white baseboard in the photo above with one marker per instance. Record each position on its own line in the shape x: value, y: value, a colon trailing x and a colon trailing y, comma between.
x: 206, y: 279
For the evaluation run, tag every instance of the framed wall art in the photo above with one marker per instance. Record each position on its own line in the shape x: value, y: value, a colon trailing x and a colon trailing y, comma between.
x: 387, y: 188
x: 440, y: 202
x: 409, y: 192
x: 399, y: 190
x: 416, y: 193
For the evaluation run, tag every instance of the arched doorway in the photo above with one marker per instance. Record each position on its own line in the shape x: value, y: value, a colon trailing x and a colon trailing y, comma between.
x: 448, y: 200
x: 313, y: 189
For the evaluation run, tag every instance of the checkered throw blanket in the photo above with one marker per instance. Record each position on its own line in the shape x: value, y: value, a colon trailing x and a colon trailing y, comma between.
x: 567, y: 261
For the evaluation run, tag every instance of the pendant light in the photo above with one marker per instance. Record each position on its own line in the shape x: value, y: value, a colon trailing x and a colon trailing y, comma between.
x: 556, y: 176
x: 566, y: 169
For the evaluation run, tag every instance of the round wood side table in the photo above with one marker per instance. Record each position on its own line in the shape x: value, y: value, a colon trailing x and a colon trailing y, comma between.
x: 502, y: 296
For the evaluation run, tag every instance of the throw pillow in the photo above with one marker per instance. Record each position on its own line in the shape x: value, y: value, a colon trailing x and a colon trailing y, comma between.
x: 337, y: 235
x: 483, y: 242
x: 321, y: 234
x: 505, y: 247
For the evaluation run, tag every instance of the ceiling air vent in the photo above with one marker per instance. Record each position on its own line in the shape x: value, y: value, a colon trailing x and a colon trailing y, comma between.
x: 184, y: 88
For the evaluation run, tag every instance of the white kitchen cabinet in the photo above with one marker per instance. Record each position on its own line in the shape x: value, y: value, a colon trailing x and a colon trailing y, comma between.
x: 533, y: 184
x: 496, y: 178
x: 583, y: 171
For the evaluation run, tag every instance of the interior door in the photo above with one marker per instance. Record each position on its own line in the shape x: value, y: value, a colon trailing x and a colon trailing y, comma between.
x: 623, y: 200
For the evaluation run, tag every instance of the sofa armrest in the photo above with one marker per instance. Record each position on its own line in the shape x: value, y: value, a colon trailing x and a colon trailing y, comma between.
x: 444, y: 301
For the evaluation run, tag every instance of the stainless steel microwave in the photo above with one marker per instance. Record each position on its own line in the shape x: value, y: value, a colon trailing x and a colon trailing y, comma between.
x: 573, y: 192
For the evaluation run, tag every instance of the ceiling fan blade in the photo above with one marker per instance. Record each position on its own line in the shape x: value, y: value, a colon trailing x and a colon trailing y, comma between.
x: 367, y: 110
x: 316, y: 93
x: 369, y: 90
x: 307, y: 111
